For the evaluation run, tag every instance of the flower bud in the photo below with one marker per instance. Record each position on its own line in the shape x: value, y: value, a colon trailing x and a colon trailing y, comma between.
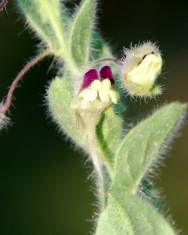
x: 141, y: 68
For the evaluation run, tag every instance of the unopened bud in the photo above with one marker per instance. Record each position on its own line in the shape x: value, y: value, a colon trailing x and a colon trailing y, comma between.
x: 141, y: 68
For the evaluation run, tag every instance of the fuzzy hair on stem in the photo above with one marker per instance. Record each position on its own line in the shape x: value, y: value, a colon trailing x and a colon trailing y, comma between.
x: 5, y: 106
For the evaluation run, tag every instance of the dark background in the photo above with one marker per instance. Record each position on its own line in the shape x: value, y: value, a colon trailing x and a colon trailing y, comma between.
x: 45, y: 186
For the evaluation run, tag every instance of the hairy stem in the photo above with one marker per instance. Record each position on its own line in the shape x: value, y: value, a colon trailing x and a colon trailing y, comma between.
x: 9, y: 99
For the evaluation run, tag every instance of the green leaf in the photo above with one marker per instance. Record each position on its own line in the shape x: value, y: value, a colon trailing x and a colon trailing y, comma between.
x: 60, y: 98
x: 142, y: 147
x: 81, y: 32
x: 132, y: 216
x: 44, y: 16
x: 114, y: 220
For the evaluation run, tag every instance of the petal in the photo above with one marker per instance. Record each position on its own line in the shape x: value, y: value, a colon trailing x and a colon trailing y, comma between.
x: 88, y: 95
x: 114, y: 96
x: 104, y: 97
x: 92, y: 95
x: 106, y: 72
x: 89, y: 77
x: 96, y: 85
x: 106, y: 84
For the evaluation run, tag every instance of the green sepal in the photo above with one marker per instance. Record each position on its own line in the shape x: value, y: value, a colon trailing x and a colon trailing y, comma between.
x: 109, y: 132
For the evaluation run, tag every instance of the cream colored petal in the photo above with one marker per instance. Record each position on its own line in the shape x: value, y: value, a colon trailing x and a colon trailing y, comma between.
x: 83, y: 93
x: 88, y: 94
x: 92, y: 95
x: 114, y: 96
x: 106, y: 84
x: 96, y: 85
x: 104, y: 96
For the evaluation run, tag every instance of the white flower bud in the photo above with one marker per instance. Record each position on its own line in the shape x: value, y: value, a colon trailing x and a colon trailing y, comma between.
x: 141, y: 68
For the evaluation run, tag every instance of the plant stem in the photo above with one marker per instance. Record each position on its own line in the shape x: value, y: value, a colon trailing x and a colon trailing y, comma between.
x: 9, y: 99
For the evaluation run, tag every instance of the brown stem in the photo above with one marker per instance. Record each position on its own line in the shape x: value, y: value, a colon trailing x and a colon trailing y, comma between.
x: 8, y: 102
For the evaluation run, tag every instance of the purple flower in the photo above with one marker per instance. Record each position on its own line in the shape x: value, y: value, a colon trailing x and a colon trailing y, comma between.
x: 93, y: 74
x: 97, y: 91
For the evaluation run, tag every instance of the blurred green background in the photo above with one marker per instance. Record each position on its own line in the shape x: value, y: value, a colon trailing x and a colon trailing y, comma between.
x: 45, y: 185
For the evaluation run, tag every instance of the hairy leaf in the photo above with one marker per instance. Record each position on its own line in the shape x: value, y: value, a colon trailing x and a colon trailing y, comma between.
x: 131, y: 216
x: 45, y: 19
x: 81, y: 32
x: 141, y: 148
x: 60, y: 98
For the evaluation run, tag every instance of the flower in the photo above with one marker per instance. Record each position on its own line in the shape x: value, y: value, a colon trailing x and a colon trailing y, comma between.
x: 97, y: 92
x: 141, y: 68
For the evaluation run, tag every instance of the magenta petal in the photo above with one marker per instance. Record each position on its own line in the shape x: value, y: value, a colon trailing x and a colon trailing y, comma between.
x: 89, y: 77
x: 106, y: 72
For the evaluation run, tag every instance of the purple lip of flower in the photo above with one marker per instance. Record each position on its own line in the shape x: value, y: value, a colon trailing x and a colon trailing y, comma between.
x: 93, y: 74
